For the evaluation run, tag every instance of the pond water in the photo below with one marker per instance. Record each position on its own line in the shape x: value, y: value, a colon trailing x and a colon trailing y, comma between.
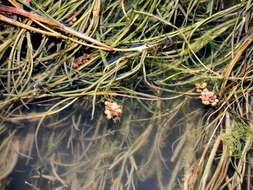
x: 147, y: 148
x: 53, y: 129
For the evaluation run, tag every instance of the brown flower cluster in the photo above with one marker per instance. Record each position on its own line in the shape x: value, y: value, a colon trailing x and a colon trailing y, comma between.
x: 113, y: 110
x: 80, y: 61
x: 207, y: 97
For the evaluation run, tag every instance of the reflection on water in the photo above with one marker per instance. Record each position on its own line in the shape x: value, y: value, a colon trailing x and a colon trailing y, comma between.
x: 68, y: 150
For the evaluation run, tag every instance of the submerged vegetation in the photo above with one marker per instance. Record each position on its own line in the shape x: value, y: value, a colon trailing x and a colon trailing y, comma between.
x: 175, y: 77
x: 236, y: 138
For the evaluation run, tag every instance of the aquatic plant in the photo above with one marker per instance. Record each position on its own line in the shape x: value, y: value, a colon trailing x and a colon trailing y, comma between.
x: 236, y: 138
x: 62, y: 60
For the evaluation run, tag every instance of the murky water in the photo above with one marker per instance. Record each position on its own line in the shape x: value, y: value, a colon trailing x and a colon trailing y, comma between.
x: 68, y: 150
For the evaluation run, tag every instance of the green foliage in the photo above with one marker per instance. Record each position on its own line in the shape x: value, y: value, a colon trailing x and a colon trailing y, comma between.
x: 61, y: 59
x: 236, y: 138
